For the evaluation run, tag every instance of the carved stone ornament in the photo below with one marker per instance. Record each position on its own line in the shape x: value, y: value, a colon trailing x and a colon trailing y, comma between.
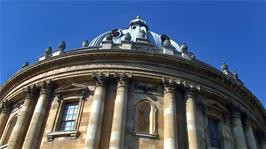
x: 236, y: 112
x: 5, y: 107
x: 85, y: 44
x: 28, y: 92
x: 122, y: 79
x: 46, y: 87
x: 100, y: 78
x: 169, y: 85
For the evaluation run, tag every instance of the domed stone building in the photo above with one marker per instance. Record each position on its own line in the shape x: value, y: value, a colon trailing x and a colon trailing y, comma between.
x: 128, y: 89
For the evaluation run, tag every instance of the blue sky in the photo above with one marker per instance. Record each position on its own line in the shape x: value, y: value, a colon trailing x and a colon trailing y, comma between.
x: 233, y: 32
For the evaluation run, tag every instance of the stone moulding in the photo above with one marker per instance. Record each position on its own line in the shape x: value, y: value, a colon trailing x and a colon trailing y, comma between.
x: 85, y: 56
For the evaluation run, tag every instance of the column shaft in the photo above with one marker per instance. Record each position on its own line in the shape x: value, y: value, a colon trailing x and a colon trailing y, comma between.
x: 238, y: 132
x: 4, y: 113
x: 191, y: 120
x: 251, y: 142
x: 33, y: 135
x: 119, y: 117
x: 20, y: 129
x: 170, y: 130
x: 95, y: 120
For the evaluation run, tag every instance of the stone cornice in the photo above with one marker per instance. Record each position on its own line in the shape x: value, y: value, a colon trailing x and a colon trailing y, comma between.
x: 85, y: 56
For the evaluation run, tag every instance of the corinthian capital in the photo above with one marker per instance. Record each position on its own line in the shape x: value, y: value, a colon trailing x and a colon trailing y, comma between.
x: 5, y: 107
x: 100, y: 78
x: 46, y: 87
x: 169, y: 85
x: 123, y: 79
x: 236, y: 112
x: 29, y: 92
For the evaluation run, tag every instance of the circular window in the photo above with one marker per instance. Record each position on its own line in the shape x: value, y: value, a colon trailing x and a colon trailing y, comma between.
x: 116, y: 33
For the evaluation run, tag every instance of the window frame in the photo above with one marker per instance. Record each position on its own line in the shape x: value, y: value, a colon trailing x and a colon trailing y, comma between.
x: 219, y: 130
x: 73, y: 134
x: 153, y: 126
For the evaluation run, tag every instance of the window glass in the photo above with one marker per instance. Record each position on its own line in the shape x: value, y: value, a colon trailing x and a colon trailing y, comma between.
x: 69, y: 116
x: 214, y: 135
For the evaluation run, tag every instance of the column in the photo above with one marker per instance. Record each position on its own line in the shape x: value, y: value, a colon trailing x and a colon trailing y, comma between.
x: 36, y: 125
x: 4, y: 114
x: 191, y: 119
x: 96, y: 115
x: 251, y: 142
x: 20, y: 129
x: 169, y: 112
x: 119, y: 116
x: 238, y: 133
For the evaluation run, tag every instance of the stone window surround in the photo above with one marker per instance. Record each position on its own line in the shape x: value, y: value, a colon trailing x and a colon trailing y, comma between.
x: 153, y: 128
x: 73, y: 134
x: 12, y: 115
x: 212, y: 114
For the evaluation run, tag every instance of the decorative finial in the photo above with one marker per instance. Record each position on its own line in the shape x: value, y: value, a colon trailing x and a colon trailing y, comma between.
x: 235, y: 75
x: 127, y: 37
x: 85, y: 44
x: 109, y: 37
x: 224, y: 67
x: 142, y: 34
x: 62, y: 46
x: 26, y: 64
x: 183, y: 47
x: 137, y: 17
x: 166, y: 43
x: 48, y: 51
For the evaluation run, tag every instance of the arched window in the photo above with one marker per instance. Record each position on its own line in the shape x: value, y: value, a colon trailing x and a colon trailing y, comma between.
x: 145, y: 118
x: 11, y: 125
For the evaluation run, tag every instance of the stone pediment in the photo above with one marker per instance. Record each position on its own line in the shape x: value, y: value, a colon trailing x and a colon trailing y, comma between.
x: 211, y: 103
x: 73, y: 87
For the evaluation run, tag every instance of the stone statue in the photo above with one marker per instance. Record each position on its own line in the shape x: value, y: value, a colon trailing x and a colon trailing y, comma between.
x: 62, y: 46
x: 224, y: 67
x: 26, y: 64
x: 48, y: 51
x: 85, y: 44
x: 183, y: 47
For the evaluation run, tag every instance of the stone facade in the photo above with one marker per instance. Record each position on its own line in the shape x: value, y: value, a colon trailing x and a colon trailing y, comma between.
x: 130, y: 94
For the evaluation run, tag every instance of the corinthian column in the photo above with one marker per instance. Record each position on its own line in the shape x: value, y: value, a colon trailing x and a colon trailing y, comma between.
x: 33, y: 135
x: 96, y: 115
x: 119, y: 117
x: 4, y: 113
x: 191, y: 119
x: 169, y: 112
x: 238, y: 132
x: 251, y: 142
x: 20, y: 129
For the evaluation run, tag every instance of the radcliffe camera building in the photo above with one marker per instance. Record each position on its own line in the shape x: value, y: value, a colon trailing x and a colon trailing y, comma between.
x: 128, y: 89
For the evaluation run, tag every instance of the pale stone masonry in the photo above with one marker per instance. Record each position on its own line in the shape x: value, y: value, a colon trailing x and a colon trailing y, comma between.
x: 38, y: 118
x: 95, y: 121
x: 191, y: 120
x: 24, y: 118
x: 128, y: 89
x: 169, y: 112
x: 120, y: 110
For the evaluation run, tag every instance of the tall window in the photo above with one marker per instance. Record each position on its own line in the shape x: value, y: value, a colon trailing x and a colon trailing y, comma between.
x: 11, y: 126
x: 145, y: 118
x: 214, y: 136
x: 69, y: 116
